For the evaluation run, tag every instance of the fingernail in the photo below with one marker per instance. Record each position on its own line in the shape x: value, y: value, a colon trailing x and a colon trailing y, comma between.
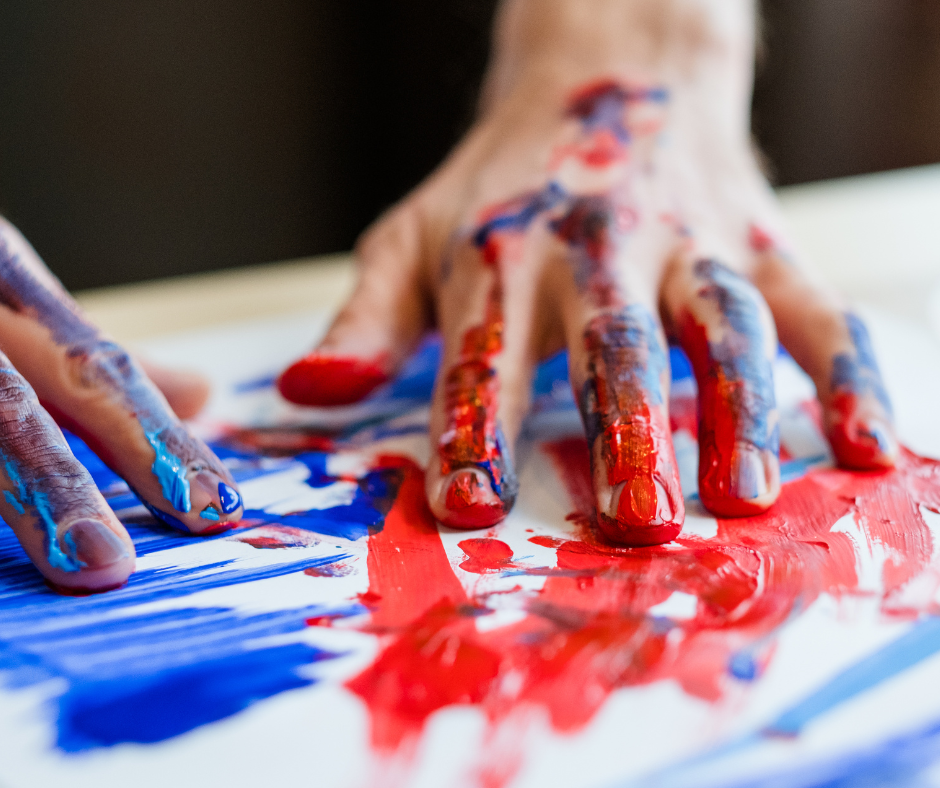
x: 749, y: 473
x: 646, y: 515
x: 229, y: 498
x: 214, y: 489
x: 880, y: 433
x: 93, y: 544
x: 470, y: 501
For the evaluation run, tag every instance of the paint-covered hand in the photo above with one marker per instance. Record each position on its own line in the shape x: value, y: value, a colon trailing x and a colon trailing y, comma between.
x: 607, y: 191
x: 56, y: 367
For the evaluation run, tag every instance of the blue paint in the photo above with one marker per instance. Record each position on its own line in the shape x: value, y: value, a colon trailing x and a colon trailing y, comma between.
x: 743, y: 666
x: 229, y: 498
x: 741, y: 354
x: 520, y: 213
x: 171, y: 473
x: 256, y: 384
x: 603, y: 107
x: 859, y: 373
x: 11, y: 499
x: 210, y: 513
x: 921, y: 642
x: 679, y: 364
x: 39, y: 503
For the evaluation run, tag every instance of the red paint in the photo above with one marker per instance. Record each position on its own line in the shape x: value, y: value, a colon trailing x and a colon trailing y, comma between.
x: 485, y: 556
x: 588, y: 632
x: 280, y: 441
x: 718, y: 406
x: 330, y: 570
x: 323, y: 380
x: 635, y: 444
x: 853, y: 441
x: 760, y: 240
x: 470, y: 439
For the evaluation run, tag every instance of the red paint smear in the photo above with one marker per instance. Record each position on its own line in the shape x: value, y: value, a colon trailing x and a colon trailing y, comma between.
x: 281, y: 441
x: 589, y: 632
x: 322, y: 380
x: 330, y: 570
x: 760, y: 240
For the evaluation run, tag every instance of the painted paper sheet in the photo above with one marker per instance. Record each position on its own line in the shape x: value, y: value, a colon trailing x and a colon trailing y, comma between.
x: 340, y: 637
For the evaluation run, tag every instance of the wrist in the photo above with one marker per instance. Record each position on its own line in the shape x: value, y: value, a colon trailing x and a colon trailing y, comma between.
x: 548, y: 47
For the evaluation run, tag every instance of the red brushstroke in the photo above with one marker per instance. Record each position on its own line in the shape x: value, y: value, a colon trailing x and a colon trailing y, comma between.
x: 323, y: 380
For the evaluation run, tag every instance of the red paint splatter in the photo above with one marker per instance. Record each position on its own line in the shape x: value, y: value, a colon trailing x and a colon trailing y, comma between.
x: 760, y: 240
x: 485, y: 556
x: 323, y: 380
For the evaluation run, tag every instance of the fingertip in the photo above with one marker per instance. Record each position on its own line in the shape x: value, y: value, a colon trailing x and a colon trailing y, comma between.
x: 321, y: 380
x: 642, y: 512
x: 466, y: 500
x: 744, y: 484
x: 869, y: 445
x: 106, y: 559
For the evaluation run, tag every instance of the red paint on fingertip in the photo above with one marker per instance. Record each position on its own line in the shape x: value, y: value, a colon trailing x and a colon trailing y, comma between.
x: 471, y: 503
x: 322, y: 380
x: 855, y: 442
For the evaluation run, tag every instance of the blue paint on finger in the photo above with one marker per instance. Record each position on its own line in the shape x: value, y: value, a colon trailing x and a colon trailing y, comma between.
x: 229, y: 498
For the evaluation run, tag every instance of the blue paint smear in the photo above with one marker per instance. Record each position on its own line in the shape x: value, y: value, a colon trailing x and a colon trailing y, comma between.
x: 257, y: 384
x: 859, y: 374
x: 171, y: 473
x: 921, y: 642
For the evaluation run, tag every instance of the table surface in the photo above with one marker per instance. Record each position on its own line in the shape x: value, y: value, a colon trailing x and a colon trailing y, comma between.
x: 874, y: 237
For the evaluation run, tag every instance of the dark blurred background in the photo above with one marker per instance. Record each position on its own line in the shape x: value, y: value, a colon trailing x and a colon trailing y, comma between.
x: 159, y: 137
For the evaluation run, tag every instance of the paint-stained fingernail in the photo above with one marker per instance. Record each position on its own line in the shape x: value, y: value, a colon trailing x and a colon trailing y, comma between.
x: 750, y: 476
x: 470, y: 501
x: 93, y: 544
x: 229, y: 498
x: 645, y: 514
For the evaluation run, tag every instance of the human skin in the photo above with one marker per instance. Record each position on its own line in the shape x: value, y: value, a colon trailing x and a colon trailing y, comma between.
x: 57, y: 369
x: 606, y: 198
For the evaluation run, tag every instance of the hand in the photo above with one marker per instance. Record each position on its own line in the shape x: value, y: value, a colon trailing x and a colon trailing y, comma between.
x: 607, y: 197
x: 52, y: 355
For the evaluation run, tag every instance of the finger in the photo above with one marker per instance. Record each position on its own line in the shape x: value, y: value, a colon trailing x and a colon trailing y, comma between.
x: 725, y: 327
x: 834, y: 348
x: 482, y: 390
x: 96, y: 389
x: 619, y: 371
x: 50, y: 500
x: 186, y: 392
x: 377, y: 328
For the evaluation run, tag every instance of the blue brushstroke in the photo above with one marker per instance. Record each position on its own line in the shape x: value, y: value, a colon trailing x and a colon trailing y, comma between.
x: 256, y: 384
x: 521, y: 213
x: 921, y: 642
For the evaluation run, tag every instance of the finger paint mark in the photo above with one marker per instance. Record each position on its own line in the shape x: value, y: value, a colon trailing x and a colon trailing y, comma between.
x: 738, y: 431
x: 627, y: 428
x: 229, y: 498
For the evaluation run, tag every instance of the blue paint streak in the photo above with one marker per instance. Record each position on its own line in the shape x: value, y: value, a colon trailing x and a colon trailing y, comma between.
x: 257, y: 384
x: 522, y: 213
x: 921, y: 642
x: 171, y: 473
x: 859, y: 374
